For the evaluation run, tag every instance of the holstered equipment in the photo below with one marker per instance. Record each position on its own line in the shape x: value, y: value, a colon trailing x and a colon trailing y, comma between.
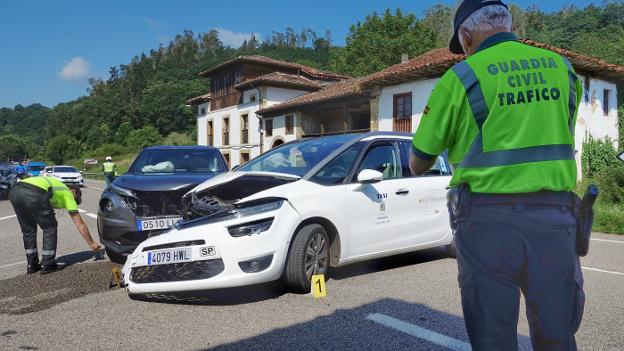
x: 458, y: 203
x: 585, y: 219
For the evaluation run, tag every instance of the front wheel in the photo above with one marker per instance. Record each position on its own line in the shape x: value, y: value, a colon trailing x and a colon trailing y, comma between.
x: 308, y: 256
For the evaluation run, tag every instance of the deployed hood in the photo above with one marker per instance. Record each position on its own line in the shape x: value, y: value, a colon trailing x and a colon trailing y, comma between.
x: 228, y: 188
x: 160, y: 182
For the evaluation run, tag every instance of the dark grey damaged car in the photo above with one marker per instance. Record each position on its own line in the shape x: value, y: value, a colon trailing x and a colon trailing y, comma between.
x: 147, y: 200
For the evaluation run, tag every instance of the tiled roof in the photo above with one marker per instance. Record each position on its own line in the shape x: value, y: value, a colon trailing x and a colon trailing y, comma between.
x: 335, y: 91
x: 267, y: 61
x: 431, y: 65
x: 278, y: 79
x: 198, y: 99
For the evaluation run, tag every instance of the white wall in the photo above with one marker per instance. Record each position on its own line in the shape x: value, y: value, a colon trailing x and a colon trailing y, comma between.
x: 279, y: 131
x: 421, y: 90
x: 591, y: 119
x: 277, y: 95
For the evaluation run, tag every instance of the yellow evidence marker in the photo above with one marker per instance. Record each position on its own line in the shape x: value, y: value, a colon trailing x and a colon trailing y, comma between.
x: 318, y: 286
x: 116, y: 279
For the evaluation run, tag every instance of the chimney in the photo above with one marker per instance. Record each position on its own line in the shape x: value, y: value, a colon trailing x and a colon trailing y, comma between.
x: 404, y: 58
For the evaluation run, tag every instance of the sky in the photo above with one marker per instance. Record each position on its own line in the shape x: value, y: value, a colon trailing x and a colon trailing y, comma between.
x: 51, y: 48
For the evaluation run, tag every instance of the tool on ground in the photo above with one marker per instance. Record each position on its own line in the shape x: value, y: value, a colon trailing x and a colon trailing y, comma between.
x: 116, y: 278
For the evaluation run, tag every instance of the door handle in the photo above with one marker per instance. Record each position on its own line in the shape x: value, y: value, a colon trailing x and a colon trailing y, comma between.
x: 402, y: 192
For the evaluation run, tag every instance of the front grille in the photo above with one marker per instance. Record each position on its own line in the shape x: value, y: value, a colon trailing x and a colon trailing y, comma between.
x: 177, y: 272
x: 171, y: 245
x: 158, y: 203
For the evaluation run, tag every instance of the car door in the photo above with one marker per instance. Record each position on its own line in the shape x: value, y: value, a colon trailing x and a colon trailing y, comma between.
x: 430, y: 216
x: 379, y: 213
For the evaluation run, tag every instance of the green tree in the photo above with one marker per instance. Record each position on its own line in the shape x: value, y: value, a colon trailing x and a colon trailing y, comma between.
x: 144, y: 137
x: 379, y: 42
x: 12, y: 149
x: 122, y: 133
x: 177, y: 138
x: 98, y: 136
x: 62, y: 148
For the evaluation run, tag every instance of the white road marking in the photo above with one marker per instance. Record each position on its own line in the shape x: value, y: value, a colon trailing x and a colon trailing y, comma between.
x: 7, y: 217
x: 602, y: 271
x: 12, y: 264
x: 419, y: 332
x: 92, y: 187
x: 609, y: 241
x: 87, y: 213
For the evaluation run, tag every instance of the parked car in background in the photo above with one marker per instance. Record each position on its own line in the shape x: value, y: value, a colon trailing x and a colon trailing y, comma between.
x: 35, y: 168
x: 295, y: 211
x: 8, y: 178
x: 66, y: 174
x: 147, y: 200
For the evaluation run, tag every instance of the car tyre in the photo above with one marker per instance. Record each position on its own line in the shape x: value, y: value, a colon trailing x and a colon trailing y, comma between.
x: 308, y: 255
x: 115, y: 257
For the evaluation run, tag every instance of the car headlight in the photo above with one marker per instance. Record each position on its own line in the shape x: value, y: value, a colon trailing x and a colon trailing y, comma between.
x: 122, y: 191
x: 250, y: 228
x: 240, y: 210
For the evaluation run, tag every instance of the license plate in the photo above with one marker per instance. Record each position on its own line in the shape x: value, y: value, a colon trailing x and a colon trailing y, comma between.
x: 169, y: 256
x: 156, y: 224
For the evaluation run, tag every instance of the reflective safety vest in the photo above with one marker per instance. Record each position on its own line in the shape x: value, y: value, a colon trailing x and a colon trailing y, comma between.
x: 110, y: 167
x: 62, y: 197
x: 507, y: 117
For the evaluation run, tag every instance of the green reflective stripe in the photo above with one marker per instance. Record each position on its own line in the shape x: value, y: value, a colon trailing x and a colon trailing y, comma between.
x: 61, y: 188
x: 469, y: 79
x: 572, y: 103
x: 476, y: 157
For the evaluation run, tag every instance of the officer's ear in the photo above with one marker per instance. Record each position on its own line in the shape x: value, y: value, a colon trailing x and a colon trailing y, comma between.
x: 465, y: 39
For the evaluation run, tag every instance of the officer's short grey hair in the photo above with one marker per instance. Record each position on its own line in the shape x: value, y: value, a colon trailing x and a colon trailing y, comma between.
x: 488, y: 18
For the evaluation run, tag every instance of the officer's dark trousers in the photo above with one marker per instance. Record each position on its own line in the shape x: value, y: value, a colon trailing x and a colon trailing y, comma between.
x: 32, y: 207
x: 109, y: 177
x: 505, y: 249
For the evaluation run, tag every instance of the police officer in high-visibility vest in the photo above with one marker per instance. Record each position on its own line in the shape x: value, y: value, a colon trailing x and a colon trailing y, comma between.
x: 34, y: 200
x: 110, y: 170
x: 506, y: 115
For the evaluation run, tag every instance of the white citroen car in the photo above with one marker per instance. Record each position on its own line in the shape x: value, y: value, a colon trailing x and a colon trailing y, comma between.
x: 294, y: 212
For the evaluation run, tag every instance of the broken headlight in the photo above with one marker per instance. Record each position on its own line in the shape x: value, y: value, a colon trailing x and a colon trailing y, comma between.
x: 238, y: 211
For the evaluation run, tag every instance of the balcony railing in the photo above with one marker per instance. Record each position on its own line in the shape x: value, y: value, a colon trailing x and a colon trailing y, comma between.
x: 403, y: 125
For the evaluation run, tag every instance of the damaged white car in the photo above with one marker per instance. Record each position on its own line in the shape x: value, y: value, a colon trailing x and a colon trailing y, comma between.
x: 294, y: 212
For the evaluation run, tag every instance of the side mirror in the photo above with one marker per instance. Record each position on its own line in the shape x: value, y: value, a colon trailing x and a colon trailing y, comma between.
x: 621, y: 156
x: 369, y: 176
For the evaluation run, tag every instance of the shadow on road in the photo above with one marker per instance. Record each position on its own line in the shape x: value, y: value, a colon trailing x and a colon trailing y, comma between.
x: 351, y: 329
x: 77, y: 257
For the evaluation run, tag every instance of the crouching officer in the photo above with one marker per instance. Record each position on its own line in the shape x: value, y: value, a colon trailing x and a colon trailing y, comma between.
x: 34, y: 200
x: 507, y: 115
x: 110, y: 170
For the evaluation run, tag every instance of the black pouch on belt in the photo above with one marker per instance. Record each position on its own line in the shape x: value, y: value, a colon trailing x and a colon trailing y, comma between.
x: 585, y: 220
x: 458, y: 203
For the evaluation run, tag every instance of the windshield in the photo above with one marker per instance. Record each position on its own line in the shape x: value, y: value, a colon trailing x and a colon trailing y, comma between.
x: 174, y: 161
x: 296, y: 158
x: 65, y: 170
x: 36, y: 168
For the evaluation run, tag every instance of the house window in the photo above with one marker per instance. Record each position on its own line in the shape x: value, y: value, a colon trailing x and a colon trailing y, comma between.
x: 402, y: 115
x: 210, y: 134
x: 290, y: 124
x: 605, y: 102
x: 268, y: 127
x: 227, y: 159
x: 202, y: 111
x: 244, y: 157
x: 226, y: 131
x: 244, y: 129
x: 252, y: 98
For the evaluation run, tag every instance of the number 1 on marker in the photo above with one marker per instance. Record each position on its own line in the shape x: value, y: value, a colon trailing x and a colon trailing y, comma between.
x: 318, y: 286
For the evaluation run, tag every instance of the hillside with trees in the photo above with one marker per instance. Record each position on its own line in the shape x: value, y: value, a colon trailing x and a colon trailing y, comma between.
x: 143, y: 101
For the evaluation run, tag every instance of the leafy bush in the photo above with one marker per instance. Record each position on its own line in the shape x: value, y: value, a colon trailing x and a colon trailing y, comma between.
x: 122, y: 133
x: 144, y: 137
x: 12, y: 148
x: 98, y: 136
x: 598, y: 155
x: 176, y: 138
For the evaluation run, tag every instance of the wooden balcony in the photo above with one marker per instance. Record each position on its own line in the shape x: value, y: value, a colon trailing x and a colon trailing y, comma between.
x: 403, y: 125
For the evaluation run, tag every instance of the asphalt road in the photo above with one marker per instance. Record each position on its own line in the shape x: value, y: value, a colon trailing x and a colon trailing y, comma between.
x: 400, y: 303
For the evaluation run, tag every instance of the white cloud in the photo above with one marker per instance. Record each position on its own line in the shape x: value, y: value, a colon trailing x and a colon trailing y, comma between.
x: 234, y: 39
x: 77, y: 69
